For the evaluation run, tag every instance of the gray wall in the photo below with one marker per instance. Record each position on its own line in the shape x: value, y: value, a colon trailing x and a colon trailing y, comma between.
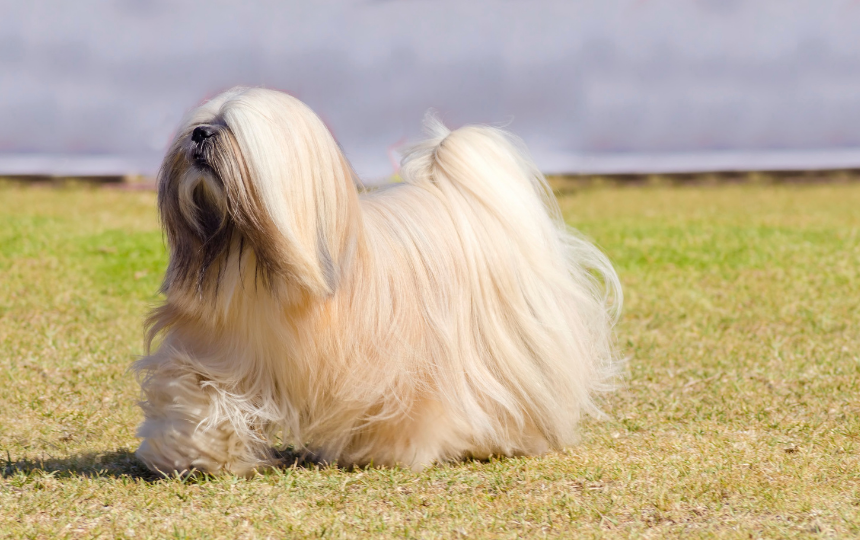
x: 89, y: 87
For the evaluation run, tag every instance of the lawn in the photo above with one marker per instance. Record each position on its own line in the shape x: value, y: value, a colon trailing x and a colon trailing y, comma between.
x: 739, y: 415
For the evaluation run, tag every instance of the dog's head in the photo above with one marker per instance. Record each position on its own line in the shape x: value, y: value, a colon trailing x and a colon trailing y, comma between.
x: 255, y: 169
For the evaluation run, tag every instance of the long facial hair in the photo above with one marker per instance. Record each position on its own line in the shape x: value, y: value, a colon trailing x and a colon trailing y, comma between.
x: 216, y: 204
x: 206, y: 206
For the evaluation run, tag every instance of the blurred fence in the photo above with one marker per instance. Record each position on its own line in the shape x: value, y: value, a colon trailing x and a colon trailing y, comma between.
x: 602, y: 86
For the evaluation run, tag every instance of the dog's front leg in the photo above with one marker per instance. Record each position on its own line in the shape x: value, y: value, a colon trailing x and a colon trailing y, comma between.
x: 181, y: 431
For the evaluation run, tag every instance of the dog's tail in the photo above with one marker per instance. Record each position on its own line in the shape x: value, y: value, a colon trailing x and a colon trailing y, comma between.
x: 544, y: 298
x: 494, y: 167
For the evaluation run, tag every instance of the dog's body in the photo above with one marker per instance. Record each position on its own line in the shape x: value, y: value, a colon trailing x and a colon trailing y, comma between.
x: 451, y: 315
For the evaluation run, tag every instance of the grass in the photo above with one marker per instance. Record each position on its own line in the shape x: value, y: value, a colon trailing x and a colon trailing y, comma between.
x: 739, y: 418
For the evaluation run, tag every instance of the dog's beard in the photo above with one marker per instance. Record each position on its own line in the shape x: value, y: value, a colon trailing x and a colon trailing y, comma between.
x: 202, y: 202
x: 208, y: 213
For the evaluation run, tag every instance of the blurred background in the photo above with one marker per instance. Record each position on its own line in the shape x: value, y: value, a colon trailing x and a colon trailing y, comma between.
x: 96, y: 88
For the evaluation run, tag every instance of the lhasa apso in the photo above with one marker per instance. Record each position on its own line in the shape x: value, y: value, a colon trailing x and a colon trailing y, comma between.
x: 451, y: 315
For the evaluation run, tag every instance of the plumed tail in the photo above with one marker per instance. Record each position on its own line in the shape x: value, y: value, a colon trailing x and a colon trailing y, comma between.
x: 495, y: 167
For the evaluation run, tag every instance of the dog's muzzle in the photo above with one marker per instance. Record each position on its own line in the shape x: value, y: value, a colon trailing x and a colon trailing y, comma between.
x: 201, y: 144
x: 201, y: 133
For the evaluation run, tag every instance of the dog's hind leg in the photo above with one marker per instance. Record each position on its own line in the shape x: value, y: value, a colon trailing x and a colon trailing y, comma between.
x: 181, y: 431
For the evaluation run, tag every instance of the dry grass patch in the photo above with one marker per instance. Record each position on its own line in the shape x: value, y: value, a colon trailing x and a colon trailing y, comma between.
x: 740, y: 415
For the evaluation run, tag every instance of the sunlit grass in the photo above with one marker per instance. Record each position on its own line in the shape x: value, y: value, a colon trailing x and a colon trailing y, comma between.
x: 739, y: 417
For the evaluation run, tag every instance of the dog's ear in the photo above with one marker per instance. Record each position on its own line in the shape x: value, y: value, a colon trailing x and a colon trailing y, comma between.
x: 290, y: 191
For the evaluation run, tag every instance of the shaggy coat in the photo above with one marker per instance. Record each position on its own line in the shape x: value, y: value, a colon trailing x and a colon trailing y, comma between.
x: 450, y: 315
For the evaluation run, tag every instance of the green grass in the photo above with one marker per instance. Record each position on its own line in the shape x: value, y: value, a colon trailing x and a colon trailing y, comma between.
x: 739, y: 417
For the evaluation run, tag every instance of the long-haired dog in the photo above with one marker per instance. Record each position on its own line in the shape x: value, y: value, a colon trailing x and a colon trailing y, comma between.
x: 452, y: 315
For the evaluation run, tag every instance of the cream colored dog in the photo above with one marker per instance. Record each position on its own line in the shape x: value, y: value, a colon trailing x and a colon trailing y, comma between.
x: 448, y: 316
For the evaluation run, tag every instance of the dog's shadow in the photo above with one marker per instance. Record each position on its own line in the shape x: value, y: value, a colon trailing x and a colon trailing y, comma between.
x: 118, y: 464
x: 112, y: 464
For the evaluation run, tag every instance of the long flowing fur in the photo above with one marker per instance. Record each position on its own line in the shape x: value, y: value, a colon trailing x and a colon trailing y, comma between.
x: 451, y: 315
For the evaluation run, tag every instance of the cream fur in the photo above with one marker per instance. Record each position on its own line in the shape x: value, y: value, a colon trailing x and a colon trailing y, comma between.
x: 448, y: 316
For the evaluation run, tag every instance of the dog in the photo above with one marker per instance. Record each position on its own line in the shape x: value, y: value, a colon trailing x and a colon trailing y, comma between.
x: 452, y: 315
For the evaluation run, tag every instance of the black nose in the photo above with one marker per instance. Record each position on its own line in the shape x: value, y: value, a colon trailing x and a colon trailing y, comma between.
x: 201, y: 133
